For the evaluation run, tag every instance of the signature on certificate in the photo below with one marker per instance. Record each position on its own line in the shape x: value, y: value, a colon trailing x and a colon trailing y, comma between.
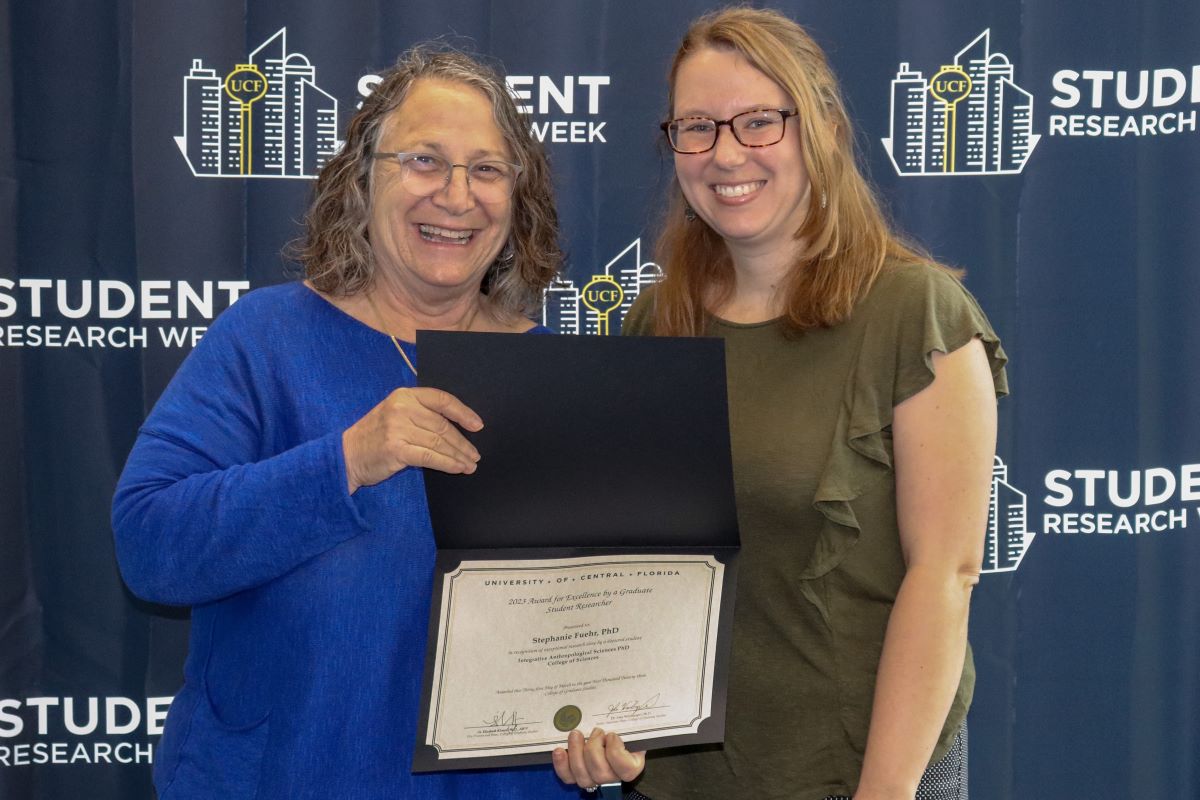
x: 630, y: 706
x: 503, y: 722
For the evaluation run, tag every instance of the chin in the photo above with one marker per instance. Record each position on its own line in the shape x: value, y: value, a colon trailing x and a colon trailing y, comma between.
x: 738, y: 232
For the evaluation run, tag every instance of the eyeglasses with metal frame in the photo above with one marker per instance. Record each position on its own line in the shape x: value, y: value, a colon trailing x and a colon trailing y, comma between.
x: 759, y: 127
x: 425, y: 174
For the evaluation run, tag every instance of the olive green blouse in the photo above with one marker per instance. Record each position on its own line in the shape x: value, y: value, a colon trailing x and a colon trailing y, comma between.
x: 820, y: 566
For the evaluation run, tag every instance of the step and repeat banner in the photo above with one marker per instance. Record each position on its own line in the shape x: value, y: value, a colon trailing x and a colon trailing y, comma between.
x: 133, y: 212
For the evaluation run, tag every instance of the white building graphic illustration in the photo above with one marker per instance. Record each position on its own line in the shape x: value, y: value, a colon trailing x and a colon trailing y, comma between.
x: 1008, y: 536
x: 567, y: 310
x: 266, y: 118
x: 970, y: 118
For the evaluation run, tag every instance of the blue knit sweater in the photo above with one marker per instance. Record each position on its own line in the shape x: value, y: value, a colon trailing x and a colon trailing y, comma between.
x: 310, y: 606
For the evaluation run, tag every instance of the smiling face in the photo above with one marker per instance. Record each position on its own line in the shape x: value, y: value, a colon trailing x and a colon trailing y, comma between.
x: 754, y: 197
x: 441, y: 245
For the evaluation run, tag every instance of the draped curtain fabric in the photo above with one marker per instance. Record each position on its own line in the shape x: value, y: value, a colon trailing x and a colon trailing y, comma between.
x: 20, y: 623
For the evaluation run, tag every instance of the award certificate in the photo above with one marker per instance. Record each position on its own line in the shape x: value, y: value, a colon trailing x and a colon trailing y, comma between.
x: 585, y: 573
x: 528, y: 650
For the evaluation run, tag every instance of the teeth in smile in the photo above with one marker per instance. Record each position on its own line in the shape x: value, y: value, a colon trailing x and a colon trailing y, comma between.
x: 434, y: 233
x: 737, y: 190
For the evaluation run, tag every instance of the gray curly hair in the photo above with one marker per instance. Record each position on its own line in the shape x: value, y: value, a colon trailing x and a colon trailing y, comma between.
x: 335, y: 250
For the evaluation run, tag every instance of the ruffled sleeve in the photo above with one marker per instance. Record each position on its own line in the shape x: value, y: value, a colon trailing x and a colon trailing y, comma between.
x: 932, y: 310
x: 910, y: 312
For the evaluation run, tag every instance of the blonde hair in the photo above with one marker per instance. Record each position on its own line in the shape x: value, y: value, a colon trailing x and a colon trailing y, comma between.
x: 847, y: 238
x: 335, y: 250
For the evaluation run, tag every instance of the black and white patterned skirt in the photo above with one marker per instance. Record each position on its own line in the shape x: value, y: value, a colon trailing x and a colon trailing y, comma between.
x: 946, y: 778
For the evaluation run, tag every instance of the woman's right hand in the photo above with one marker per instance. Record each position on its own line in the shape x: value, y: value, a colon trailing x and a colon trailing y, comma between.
x: 599, y: 758
x: 410, y: 428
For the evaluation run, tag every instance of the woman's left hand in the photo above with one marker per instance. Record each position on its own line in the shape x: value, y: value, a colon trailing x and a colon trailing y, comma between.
x: 600, y: 758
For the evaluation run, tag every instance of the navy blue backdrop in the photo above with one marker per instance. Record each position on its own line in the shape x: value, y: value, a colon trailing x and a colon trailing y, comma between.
x: 134, y: 208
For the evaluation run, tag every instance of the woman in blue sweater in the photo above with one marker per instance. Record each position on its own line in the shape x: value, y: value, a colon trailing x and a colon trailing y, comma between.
x: 276, y: 488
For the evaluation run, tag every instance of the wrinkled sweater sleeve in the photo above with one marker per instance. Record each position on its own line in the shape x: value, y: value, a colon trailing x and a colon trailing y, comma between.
x: 210, y: 503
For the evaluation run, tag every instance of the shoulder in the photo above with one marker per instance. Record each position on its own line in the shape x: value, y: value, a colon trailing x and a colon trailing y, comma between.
x: 255, y: 325
x: 268, y: 312
x: 915, y: 309
x: 915, y: 277
x: 267, y: 302
x: 639, y: 320
x: 913, y: 290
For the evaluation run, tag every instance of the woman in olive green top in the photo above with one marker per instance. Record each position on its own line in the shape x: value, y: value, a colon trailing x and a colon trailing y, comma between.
x: 862, y: 389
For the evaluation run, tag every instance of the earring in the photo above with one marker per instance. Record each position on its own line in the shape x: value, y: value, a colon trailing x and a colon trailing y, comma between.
x: 506, y: 255
x: 824, y: 199
x: 689, y: 213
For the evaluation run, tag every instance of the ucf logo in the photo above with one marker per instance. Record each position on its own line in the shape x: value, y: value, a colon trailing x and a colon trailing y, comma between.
x: 602, y: 295
x: 950, y: 86
x: 246, y: 86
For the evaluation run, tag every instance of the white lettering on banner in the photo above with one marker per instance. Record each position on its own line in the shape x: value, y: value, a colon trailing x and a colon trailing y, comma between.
x: 42, y: 704
x: 572, y: 132
x: 156, y: 714
x: 52, y: 716
x: 177, y: 337
x: 548, y: 89
x: 1126, y: 90
x: 106, y: 309
x: 74, y: 336
x: 1169, y: 87
x: 559, y: 95
x: 366, y: 85
x: 1142, y: 522
x: 151, y: 298
x: 565, y: 95
x: 10, y: 723
x: 158, y: 299
x: 42, y: 298
x: 1117, y: 126
x: 111, y: 704
x: 62, y: 753
x: 93, y: 716
x: 1153, y: 486
x: 1140, y: 488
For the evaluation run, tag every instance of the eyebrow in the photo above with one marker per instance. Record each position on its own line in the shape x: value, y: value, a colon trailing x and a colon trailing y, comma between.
x: 437, y: 149
x: 691, y: 112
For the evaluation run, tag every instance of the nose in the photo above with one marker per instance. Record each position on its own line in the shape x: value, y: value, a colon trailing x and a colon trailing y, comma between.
x: 728, y: 151
x: 456, y: 196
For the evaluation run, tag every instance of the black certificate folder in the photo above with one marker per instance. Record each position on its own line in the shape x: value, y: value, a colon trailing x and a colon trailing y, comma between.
x: 592, y: 447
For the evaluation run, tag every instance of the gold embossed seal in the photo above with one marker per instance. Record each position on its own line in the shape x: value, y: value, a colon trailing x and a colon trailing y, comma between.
x: 567, y: 718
